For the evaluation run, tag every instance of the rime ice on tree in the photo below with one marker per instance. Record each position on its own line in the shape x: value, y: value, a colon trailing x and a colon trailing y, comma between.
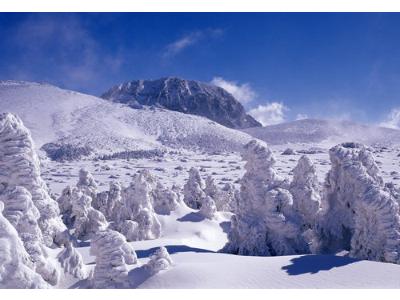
x: 359, y: 213
x: 113, y: 254
x: 16, y: 267
x: 306, y: 192
x: 264, y: 222
x: 193, y: 189
x: 20, y: 167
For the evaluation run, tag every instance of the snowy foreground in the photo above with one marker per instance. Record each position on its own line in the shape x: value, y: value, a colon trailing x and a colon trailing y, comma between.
x: 311, y: 214
x: 192, y: 245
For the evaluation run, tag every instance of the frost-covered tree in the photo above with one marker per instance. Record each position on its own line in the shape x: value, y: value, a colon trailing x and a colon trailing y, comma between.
x: 113, y: 254
x: 211, y: 189
x: 159, y: 261
x: 136, y: 206
x: 359, y: 213
x: 86, y: 183
x: 23, y: 215
x: 208, y: 208
x: 107, y: 200
x: 65, y: 204
x: 16, y: 267
x: 305, y: 189
x: 264, y: 223
x: 87, y: 220
x: 193, y: 189
x: 164, y: 200
x: 20, y: 166
x: 72, y: 262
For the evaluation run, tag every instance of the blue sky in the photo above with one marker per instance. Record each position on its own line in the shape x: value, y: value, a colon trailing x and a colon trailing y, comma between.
x: 282, y: 66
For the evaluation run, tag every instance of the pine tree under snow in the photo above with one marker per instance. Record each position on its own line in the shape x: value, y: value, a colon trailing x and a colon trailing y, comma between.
x: 135, y: 217
x: 113, y: 255
x: 193, y: 190
x: 16, y: 267
x: 305, y: 189
x: 20, y: 167
x: 359, y: 213
x: 23, y: 215
x: 264, y: 223
x: 87, y: 220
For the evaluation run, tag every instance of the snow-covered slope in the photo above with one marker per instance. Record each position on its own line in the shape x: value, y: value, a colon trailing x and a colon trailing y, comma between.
x: 60, y: 116
x: 187, y: 96
x: 330, y: 131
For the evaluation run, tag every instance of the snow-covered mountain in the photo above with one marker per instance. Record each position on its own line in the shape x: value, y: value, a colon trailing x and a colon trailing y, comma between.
x: 63, y: 117
x: 329, y: 131
x: 187, y: 96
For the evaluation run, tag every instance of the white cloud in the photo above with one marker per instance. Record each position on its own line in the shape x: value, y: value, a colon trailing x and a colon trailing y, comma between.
x: 301, y: 117
x: 392, y: 120
x: 269, y: 114
x: 190, y: 39
x: 242, y: 92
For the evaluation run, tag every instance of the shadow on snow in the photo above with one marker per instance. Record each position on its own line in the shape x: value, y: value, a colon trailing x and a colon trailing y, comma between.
x: 171, y: 250
x: 315, y: 263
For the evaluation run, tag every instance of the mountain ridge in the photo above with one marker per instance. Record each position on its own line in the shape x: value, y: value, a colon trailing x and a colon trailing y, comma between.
x: 186, y: 96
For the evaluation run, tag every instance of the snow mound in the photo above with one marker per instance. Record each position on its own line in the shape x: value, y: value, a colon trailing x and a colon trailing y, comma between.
x: 81, y: 124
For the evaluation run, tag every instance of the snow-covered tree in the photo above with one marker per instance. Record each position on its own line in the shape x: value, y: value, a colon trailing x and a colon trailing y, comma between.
x: 211, y: 188
x: 193, y: 189
x: 65, y: 204
x: 305, y: 189
x: 20, y: 166
x: 72, y: 262
x: 208, y: 208
x: 359, y: 213
x: 87, y: 220
x: 159, y: 261
x: 23, y: 215
x: 264, y: 223
x: 86, y: 183
x: 136, y: 205
x: 16, y: 267
x: 164, y: 200
x: 113, y: 254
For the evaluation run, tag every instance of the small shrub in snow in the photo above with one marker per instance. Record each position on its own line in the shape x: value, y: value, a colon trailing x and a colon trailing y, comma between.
x: 289, y: 151
x: 159, y: 261
x: 208, y: 208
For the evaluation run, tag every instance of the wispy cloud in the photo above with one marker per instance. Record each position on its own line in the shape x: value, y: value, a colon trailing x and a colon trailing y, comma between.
x: 242, y: 92
x: 392, y: 120
x: 66, y: 49
x: 190, y: 39
x: 301, y: 116
x: 269, y: 114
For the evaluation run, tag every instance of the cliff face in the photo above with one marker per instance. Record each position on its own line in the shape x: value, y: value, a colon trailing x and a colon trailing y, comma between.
x: 187, y: 96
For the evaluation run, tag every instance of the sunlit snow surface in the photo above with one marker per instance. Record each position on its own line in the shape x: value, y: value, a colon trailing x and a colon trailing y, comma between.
x: 55, y: 115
